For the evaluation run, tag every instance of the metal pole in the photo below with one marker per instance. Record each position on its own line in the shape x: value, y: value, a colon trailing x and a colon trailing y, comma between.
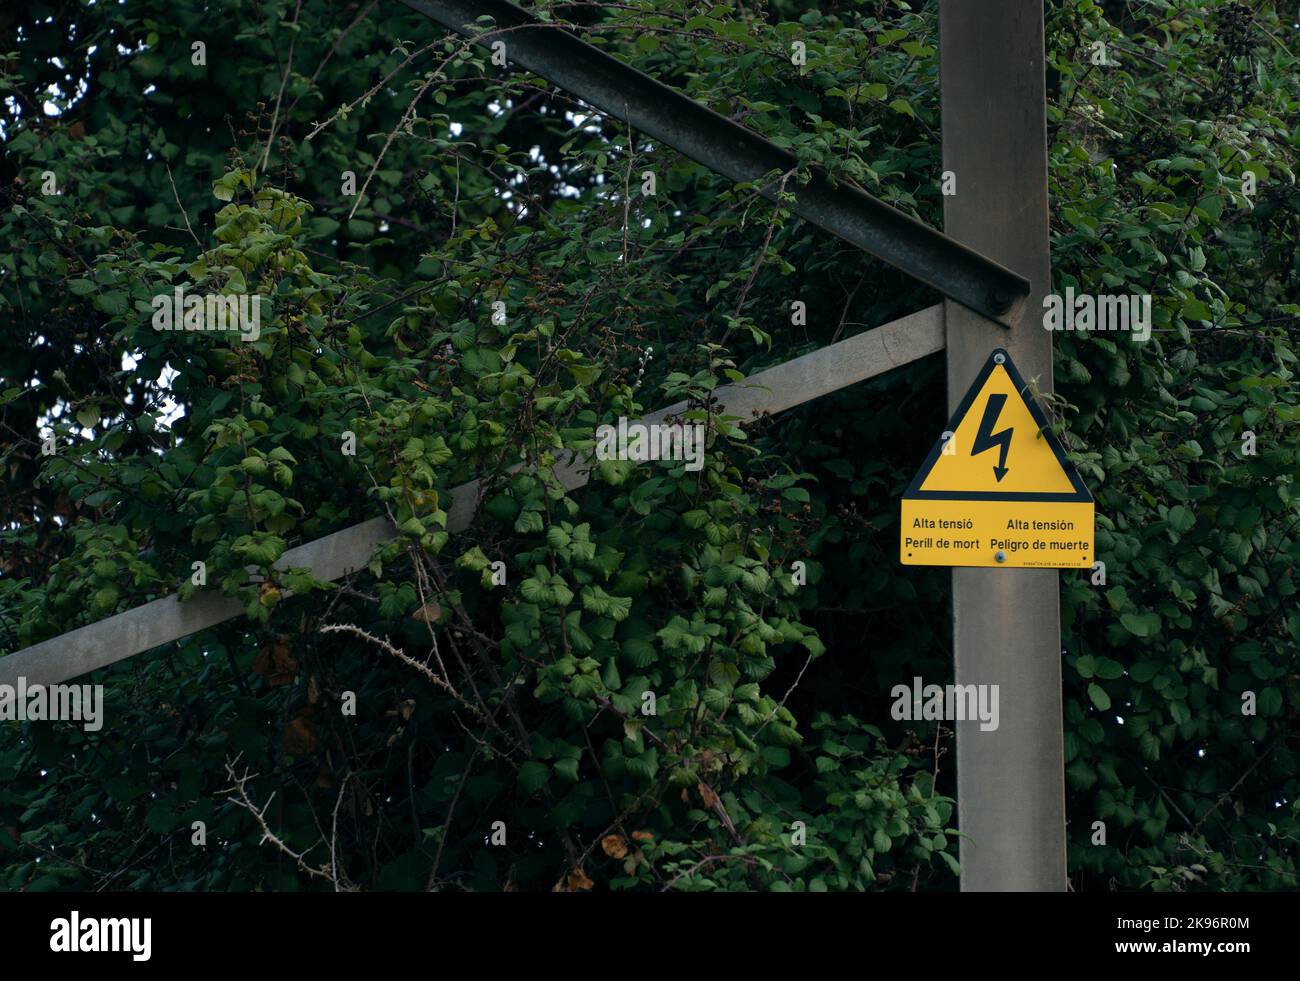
x: 775, y: 389
x: 1006, y: 622
x: 732, y: 150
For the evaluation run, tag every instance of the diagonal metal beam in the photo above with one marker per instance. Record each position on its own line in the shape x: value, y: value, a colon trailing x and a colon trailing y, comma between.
x: 803, y: 379
x: 959, y: 272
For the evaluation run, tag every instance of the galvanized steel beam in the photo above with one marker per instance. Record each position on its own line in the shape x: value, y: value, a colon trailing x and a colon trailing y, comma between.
x: 335, y: 556
x: 730, y: 149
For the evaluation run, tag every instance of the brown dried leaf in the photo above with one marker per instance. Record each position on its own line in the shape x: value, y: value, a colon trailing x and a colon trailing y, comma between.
x: 615, y: 846
x: 577, y: 881
x: 707, y: 794
x: 430, y: 612
x: 299, y: 737
x: 275, y: 662
x: 262, y: 662
x: 642, y: 836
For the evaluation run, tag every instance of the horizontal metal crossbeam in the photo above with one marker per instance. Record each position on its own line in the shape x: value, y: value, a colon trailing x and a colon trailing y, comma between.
x: 730, y: 149
x: 803, y: 379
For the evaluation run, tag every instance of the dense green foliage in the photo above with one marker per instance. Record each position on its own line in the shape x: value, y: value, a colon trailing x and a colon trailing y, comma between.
x: 481, y: 701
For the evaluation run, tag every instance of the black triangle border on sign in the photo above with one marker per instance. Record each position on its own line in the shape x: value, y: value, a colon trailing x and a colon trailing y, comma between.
x: 1080, y: 494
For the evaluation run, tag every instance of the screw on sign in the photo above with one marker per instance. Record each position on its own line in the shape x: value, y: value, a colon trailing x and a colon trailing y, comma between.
x: 997, y: 489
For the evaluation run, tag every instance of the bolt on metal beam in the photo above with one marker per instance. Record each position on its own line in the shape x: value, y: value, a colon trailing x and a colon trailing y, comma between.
x: 724, y: 146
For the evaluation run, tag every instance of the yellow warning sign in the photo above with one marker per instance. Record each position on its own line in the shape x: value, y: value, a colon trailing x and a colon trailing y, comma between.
x: 997, y: 489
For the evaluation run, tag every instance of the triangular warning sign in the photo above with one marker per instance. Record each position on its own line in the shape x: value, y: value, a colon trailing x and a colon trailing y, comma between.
x: 997, y: 489
x: 998, y: 446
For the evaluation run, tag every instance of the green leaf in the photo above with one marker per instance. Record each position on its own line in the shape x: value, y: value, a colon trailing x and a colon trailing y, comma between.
x: 160, y: 818
x: 1270, y: 701
x: 1109, y: 670
x: 533, y: 776
x: 1194, y: 309
x: 597, y: 601
x: 528, y: 522
x: 1144, y: 671
x: 1099, y: 697
x: 1181, y: 518
x: 567, y: 769
x: 1140, y: 625
x: 115, y: 303
x: 951, y: 862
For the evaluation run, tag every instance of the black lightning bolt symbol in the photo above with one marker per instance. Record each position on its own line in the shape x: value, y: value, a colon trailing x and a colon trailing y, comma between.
x: 986, y: 438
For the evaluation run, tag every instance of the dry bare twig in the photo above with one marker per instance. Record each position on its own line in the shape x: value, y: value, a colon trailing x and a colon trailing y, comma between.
x: 238, y: 794
x: 385, y: 645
